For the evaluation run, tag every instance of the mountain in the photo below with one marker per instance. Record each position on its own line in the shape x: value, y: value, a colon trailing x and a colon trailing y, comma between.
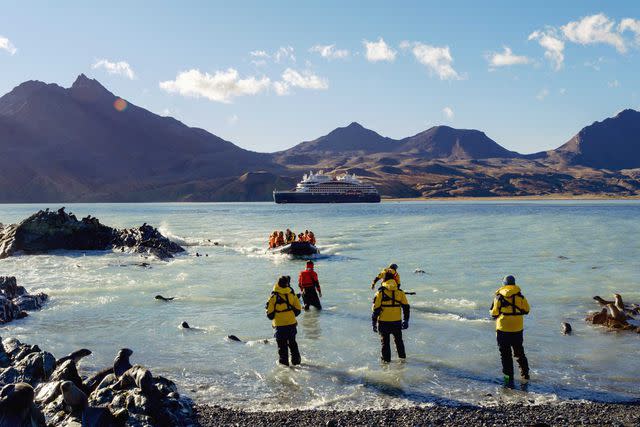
x: 444, y: 142
x: 74, y: 144
x: 613, y: 143
x: 438, y: 142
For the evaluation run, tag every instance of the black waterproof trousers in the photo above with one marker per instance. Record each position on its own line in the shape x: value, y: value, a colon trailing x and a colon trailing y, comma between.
x: 506, y: 342
x: 386, y: 329
x: 310, y: 297
x: 286, y: 339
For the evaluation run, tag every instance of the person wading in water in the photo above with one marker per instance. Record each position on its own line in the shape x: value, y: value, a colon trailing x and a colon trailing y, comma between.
x: 310, y: 287
x: 282, y: 308
x: 390, y: 305
x: 508, y: 308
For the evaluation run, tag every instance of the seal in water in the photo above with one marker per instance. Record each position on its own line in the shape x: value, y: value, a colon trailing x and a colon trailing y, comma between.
x: 76, y: 356
x: 419, y: 271
x: 73, y: 396
x: 566, y: 328
x: 161, y: 298
x: 616, y: 314
x: 234, y: 338
x: 618, y: 302
x: 121, y: 363
x: 185, y: 325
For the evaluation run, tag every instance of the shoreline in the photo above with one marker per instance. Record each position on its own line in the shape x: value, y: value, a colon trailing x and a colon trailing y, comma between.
x: 569, y: 197
x: 561, y: 413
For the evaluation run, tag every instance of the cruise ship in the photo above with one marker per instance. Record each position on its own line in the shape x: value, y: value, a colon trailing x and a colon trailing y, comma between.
x: 322, y: 188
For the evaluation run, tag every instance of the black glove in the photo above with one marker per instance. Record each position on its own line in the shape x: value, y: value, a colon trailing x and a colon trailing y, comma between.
x: 375, y: 328
x: 405, y: 324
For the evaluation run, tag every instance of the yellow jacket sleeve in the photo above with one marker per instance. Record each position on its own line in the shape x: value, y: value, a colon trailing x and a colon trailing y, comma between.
x: 296, y: 302
x: 495, y: 307
x: 525, y: 305
x: 403, y: 299
x: 398, y: 278
x: 271, y: 307
x: 377, y: 301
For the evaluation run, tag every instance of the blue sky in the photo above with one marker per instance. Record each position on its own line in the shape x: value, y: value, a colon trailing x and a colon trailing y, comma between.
x: 262, y: 74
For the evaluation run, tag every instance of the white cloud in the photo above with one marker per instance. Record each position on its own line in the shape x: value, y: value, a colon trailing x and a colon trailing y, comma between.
x: 614, y: 84
x: 553, y: 46
x: 284, y: 53
x: 542, y: 94
x: 448, y: 113
x: 305, y: 80
x: 629, y: 24
x: 259, y: 54
x: 5, y: 44
x: 437, y: 59
x: 379, y: 51
x: 222, y: 86
x: 594, y: 29
x: 120, y: 68
x: 233, y: 119
x: 329, y: 51
x: 506, y: 58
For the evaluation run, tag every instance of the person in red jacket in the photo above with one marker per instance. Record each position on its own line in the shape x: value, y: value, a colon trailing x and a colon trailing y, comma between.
x: 310, y: 287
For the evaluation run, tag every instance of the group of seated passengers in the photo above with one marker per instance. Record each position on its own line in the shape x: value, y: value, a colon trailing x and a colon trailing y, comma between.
x: 280, y: 238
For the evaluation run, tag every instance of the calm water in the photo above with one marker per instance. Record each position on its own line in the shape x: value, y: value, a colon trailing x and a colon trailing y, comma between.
x: 102, y: 301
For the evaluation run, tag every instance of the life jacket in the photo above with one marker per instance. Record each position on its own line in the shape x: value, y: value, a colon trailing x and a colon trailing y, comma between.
x: 280, y: 240
x: 390, y: 300
x: 312, y: 239
x: 396, y: 276
x: 307, y: 278
x: 509, y: 305
x: 283, y: 306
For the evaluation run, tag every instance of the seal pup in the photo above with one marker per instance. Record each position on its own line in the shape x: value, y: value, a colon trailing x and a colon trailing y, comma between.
x: 121, y: 363
x: 76, y: 356
x: 566, y: 328
x: 73, y: 396
x: 161, y: 298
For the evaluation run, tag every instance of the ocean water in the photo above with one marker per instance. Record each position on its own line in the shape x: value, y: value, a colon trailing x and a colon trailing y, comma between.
x: 562, y: 253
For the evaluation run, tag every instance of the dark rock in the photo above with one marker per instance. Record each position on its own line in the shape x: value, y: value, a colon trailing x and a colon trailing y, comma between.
x: 14, y: 300
x: 45, y: 231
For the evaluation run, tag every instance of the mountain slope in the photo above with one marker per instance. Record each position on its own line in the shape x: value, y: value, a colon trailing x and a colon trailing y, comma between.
x: 613, y: 143
x: 74, y: 142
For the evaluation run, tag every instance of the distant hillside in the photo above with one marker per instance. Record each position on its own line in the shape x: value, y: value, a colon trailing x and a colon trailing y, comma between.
x: 60, y: 144
x: 613, y: 143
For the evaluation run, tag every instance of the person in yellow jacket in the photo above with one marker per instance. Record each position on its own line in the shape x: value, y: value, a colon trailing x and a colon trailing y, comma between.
x: 393, y: 269
x: 282, y: 308
x: 390, y: 305
x: 508, y: 308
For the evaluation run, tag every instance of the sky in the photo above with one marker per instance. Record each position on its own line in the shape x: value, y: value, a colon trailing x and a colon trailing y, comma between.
x: 268, y: 75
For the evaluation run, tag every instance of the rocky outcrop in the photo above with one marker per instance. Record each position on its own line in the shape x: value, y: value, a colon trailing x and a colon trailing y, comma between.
x: 48, y: 230
x: 38, y: 392
x: 616, y: 315
x: 15, y: 301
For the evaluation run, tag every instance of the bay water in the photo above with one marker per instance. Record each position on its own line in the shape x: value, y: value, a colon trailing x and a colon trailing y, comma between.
x: 562, y: 253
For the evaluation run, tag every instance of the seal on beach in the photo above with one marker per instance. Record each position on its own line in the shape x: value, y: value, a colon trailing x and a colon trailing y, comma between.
x: 76, y: 356
x: 73, y: 396
x: 16, y: 399
x: 139, y: 376
x: 92, y: 382
x: 161, y: 298
x: 566, y: 328
x: 185, y: 325
x: 121, y: 363
x: 233, y: 338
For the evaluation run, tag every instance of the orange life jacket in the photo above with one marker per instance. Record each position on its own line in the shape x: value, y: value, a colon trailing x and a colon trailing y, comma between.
x: 307, y: 278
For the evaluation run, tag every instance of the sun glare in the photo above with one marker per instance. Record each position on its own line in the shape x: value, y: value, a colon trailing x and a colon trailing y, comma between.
x: 120, y: 104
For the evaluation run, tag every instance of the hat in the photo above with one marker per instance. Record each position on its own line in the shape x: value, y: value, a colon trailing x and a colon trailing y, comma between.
x: 509, y: 280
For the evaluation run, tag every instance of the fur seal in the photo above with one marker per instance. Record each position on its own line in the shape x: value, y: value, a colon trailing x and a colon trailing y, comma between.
x: 16, y: 399
x: 602, y: 301
x: 140, y: 377
x: 419, y: 271
x: 73, y: 396
x: 185, y: 325
x: 566, y: 328
x: 617, y: 301
x: 616, y: 314
x: 161, y: 298
x: 233, y: 338
x: 600, y: 318
x: 121, y: 363
x: 92, y: 382
x: 76, y: 356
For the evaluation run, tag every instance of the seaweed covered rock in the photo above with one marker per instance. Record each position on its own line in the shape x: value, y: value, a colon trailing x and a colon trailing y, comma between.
x: 48, y: 230
x: 37, y: 393
x: 15, y: 301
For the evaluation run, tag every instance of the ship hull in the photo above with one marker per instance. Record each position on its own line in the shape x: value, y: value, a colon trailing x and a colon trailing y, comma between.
x: 299, y: 197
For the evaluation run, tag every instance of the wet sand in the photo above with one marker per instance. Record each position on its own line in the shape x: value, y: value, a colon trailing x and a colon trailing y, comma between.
x: 565, y: 414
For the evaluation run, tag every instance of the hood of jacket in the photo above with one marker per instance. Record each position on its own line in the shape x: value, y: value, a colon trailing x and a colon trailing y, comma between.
x: 390, y: 284
x: 281, y: 290
x: 508, y: 290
